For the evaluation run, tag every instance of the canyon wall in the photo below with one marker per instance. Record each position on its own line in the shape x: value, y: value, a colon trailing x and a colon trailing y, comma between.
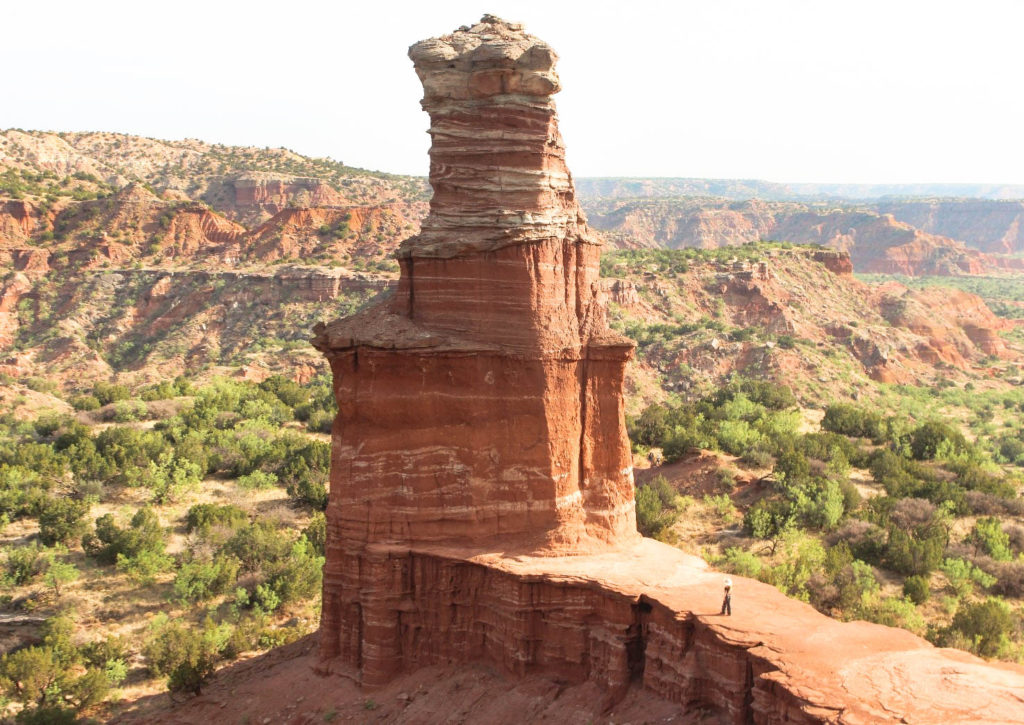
x: 876, y: 242
x: 996, y: 227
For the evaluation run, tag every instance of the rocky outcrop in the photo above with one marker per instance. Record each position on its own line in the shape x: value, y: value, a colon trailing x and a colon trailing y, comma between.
x: 644, y: 618
x: 483, y: 402
x: 272, y: 194
x: 33, y: 261
x: 19, y: 220
x: 956, y: 324
x: 194, y: 230
x: 835, y: 262
x: 996, y: 227
x: 13, y: 290
x: 365, y: 232
x: 481, y: 503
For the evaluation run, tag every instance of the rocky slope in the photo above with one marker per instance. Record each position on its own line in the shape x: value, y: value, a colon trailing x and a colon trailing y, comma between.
x: 131, y: 280
x: 246, y: 183
x: 790, y: 314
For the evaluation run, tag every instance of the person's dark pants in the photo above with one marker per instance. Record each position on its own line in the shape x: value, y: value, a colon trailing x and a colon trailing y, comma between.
x: 727, y: 605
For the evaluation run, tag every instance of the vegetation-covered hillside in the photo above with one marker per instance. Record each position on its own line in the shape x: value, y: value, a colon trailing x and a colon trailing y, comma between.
x: 150, y: 536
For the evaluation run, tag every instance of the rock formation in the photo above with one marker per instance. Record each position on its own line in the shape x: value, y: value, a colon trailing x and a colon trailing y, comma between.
x: 995, y: 227
x: 481, y: 504
x: 512, y: 425
x: 876, y: 243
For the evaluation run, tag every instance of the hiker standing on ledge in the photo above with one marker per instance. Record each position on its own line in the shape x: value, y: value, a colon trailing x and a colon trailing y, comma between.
x: 727, y: 602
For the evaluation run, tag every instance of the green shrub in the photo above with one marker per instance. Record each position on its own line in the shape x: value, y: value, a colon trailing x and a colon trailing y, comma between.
x: 185, y: 654
x: 988, y: 535
x: 144, y: 533
x: 58, y: 573
x: 101, y: 652
x: 24, y: 563
x: 320, y: 421
x: 258, y: 545
x: 769, y: 519
x: 895, y: 612
x: 300, y: 577
x: 257, y: 480
x: 107, y: 393
x: 62, y: 519
x: 287, y: 391
x: 200, y: 580
x: 29, y: 675
x: 85, y: 402
x: 170, y: 477
x: 986, y: 625
x: 853, y: 421
x: 204, y: 516
x: 737, y: 436
x: 128, y: 411
x: 802, y: 556
x: 309, y: 488
x: 917, y: 589
x: 908, y: 554
x: 316, y: 532
x: 47, y: 715
x: 963, y: 576
x: 842, y: 584
x: 931, y: 437
x: 144, y: 566
x: 656, y: 507
x: 738, y: 561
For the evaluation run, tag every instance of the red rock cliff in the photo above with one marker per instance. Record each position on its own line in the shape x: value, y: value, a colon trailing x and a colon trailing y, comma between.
x: 481, y: 503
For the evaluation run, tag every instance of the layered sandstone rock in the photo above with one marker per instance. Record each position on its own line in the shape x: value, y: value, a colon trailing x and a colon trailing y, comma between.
x: 357, y: 231
x: 481, y: 503
x: 269, y: 194
x: 955, y: 323
x: 835, y: 262
x: 482, y: 405
x: 993, y: 226
x: 484, y: 400
x: 874, y: 242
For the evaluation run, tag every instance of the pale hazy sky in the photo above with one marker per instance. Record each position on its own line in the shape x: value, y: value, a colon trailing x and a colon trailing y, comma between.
x: 817, y: 91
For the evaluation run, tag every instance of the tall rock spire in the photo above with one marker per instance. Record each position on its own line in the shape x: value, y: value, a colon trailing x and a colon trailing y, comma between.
x: 485, y: 398
x: 497, y: 167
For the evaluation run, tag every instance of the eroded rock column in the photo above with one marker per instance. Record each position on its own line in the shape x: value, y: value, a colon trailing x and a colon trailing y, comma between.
x: 482, y: 404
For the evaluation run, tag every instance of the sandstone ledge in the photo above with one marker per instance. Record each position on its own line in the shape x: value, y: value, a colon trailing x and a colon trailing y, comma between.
x: 647, y: 616
x: 379, y: 329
